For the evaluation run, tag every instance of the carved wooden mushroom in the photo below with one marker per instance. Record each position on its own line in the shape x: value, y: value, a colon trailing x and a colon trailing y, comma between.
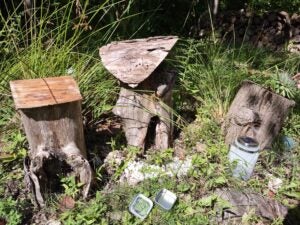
x: 256, y: 112
x: 50, y: 110
x: 146, y: 88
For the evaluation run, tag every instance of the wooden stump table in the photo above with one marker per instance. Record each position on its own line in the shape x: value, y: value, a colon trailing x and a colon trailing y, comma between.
x: 50, y: 110
x: 146, y: 88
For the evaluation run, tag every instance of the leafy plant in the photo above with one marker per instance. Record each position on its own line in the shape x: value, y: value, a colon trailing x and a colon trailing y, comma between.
x: 161, y: 157
x: 86, y: 213
x: 71, y: 187
x: 14, y: 147
x: 9, y: 210
x: 282, y: 84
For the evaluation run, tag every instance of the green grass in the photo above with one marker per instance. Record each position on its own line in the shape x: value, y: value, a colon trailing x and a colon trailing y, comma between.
x: 209, y: 74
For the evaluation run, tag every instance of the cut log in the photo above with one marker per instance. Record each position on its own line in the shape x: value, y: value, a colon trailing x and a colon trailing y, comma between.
x: 136, y: 107
x: 50, y: 111
x: 132, y: 61
x: 256, y: 112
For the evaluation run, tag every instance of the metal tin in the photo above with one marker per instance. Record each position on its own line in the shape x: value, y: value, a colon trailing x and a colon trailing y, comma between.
x: 165, y: 199
x: 141, y: 206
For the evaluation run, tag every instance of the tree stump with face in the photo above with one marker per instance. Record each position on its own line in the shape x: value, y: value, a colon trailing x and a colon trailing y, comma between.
x: 50, y: 110
x: 145, y: 99
x: 256, y: 112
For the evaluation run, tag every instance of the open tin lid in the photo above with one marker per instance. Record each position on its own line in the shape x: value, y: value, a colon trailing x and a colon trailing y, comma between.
x: 165, y: 199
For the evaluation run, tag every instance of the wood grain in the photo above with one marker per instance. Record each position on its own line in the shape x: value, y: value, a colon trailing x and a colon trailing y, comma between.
x: 256, y: 112
x: 152, y: 98
x: 55, y: 136
x: 132, y: 61
x: 44, y: 91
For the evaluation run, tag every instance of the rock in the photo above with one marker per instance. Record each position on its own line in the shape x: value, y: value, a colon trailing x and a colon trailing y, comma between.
x: 53, y: 222
x: 274, y: 184
x: 66, y: 203
x: 115, y: 215
x: 113, y: 160
x: 139, y: 171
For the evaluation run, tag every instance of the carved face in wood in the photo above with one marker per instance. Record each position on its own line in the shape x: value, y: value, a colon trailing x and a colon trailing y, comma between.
x: 256, y: 112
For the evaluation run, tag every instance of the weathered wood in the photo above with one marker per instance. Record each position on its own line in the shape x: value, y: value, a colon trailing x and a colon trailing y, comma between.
x: 256, y: 112
x: 132, y: 61
x: 54, y: 132
x: 44, y: 91
x: 136, y: 107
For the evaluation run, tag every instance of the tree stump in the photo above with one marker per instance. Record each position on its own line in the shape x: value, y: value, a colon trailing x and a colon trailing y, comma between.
x: 50, y: 110
x: 145, y: 99
x: 256, y: 112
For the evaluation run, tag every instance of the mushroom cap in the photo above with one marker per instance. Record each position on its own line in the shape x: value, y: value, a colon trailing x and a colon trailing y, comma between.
x: 132, y: 61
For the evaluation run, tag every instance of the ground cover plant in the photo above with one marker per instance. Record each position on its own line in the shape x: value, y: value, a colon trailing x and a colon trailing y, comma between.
x: 209, y: 75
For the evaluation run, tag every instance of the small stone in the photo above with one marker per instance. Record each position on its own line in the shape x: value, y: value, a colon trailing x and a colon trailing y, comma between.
x: 201, y: 147
x: 274, y: 184
x: 66, y: 203
x: 53, y: 222
x: 116, y: 215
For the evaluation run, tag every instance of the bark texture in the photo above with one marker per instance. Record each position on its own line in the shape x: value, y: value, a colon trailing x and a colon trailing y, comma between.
x: 56, y: 140
x: 50, y: 111
x: 256, y: 112
x: 245, y: 202
x: 137, y: 107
